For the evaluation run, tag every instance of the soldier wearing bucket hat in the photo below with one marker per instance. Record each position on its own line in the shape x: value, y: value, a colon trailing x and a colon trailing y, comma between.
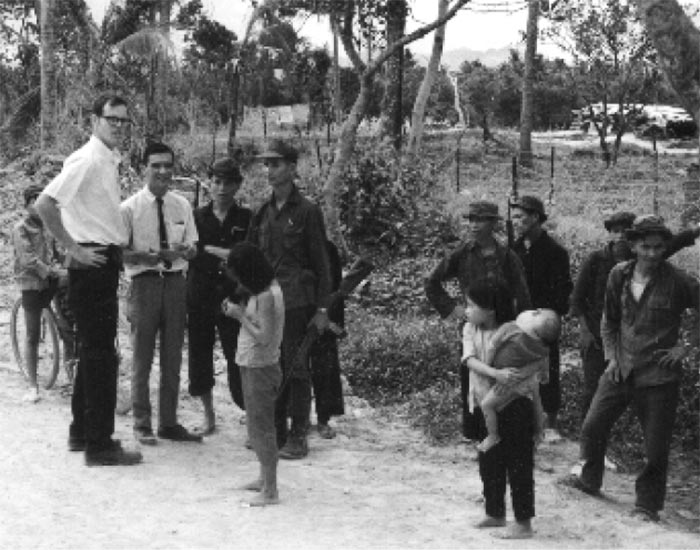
x: 221, y: 224
x: 644, y: 300
x: 479, y: 256
x: 290, y: 230
x: 546, y: 265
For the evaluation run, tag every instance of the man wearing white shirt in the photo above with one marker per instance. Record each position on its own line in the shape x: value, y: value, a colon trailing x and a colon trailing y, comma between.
x: 81, y: 209
x: 161, y: 238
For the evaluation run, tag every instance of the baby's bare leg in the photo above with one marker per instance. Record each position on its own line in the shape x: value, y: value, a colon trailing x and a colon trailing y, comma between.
x: 489, y: 406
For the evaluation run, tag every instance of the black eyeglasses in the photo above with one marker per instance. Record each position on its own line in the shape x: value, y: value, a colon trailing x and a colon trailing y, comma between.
x: 116, y: 121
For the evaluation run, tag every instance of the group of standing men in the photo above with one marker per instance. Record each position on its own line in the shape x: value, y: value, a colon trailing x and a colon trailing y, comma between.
x: 629, y: 302
x: 175, y: 259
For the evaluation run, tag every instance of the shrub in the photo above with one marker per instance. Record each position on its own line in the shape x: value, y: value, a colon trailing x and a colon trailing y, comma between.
x: 389, y: 359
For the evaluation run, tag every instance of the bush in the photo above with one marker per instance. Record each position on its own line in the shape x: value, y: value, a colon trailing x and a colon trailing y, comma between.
x: 389, y: 359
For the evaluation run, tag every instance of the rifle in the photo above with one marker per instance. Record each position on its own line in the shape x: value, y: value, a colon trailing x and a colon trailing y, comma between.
x: 512, y: 200
x: 359, y: 270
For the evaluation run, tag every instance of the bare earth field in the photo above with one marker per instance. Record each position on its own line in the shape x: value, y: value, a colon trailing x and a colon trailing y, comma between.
x: 377, y: 485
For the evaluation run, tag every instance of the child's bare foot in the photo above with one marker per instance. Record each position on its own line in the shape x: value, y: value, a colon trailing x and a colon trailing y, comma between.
x: 265, y: 499
x: 488, y: 443
x: 517, y: 530
x: 488, y: 521
x: 256, y: 485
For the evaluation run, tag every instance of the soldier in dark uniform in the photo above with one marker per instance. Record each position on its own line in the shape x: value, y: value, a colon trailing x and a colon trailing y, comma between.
x: 220, y: 224
x: 546, y: 265
x: 479, y: 257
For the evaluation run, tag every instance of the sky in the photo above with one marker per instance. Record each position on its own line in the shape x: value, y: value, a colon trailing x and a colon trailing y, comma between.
x: 469, y: 29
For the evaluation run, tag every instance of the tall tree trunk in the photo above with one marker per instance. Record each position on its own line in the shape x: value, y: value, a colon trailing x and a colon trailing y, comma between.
x: 392, y: 117
x: 164, y: 13
x: 677, y: 42
x: 527, y: 109
x: 418, y: 115
x: 47, y: 17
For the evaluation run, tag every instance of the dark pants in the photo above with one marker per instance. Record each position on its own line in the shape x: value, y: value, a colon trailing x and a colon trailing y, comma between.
x: 202, y: 326
x: 550, y: 392
x: 512, y: 461
x: 593, y: 365
x: 325, y: 378
x: 655, y: 407
x: 295, y: 398
x: 92, y: 295
x: 473, y: 425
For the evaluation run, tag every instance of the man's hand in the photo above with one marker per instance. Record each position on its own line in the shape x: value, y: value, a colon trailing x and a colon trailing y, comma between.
x: 232, y: 310
x: 169, y: 255
x: 186, y: 251
x: 615, y: 372
x: 320, y: 320
x: 587, y: 338
x: 670, y: 358
x: 93, y: 257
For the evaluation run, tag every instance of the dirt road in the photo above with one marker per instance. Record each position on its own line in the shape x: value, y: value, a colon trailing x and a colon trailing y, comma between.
x: 377, y: 485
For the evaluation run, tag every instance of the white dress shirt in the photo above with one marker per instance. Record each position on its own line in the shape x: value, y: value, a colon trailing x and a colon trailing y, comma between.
x: 140, y: 215
x: 87, y: 192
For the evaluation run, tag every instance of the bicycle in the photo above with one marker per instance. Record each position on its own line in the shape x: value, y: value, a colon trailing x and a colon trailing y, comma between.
x: 55, y: 327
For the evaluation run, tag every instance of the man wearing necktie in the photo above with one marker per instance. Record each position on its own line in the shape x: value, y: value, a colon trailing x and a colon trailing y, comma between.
x: 162, y: 238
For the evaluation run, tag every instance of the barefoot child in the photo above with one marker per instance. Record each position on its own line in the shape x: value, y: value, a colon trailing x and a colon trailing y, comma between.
x: 258, y: 355
x: 522, y: 344
x: 490, y: 305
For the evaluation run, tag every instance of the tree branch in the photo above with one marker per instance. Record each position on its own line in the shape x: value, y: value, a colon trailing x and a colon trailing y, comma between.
x: 391, y: 49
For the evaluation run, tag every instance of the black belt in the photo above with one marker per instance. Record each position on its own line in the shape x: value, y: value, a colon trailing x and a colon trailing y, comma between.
x: 156, y: 273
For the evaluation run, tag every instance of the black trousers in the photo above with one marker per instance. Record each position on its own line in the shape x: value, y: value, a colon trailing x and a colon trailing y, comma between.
x: 511, y: 461
x: 550, y: 392
x: 295, y: 396
x: 202, y: 325
x: 92, y: 296
x: 325, y: 378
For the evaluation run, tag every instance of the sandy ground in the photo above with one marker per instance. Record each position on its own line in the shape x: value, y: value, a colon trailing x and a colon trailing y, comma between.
x: 377, y: 485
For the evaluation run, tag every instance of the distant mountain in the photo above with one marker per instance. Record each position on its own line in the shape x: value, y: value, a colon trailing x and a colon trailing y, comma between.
x: 452, y: 59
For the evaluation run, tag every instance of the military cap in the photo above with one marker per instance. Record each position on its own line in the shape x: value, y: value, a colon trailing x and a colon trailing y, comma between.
x: 279, y: 149
x: 227, y: 168
x: 648, y: 225
x: 531, y: 204
x: 625, y: 219
x: 483, y: 209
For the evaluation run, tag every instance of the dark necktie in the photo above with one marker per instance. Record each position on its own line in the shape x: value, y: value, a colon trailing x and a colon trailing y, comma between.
x: 162, y: 232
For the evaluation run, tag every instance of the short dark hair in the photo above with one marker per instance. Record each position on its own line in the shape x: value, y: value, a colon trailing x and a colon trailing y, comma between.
x: 495, y: 296
x: 156, y: 148
x: 113, y: 100
x: 250, y: 267
x: 31, y: 192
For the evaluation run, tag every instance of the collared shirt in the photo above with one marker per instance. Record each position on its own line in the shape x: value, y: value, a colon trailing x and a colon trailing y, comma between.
x: 34, y: 252
x: 140, y: 214
x: 468, y: 264
x: 293, y: 240
x: 546, y: 266
x: 634, y: 331
x: 207, y: 284
x: 588, y: 297
x: 87, y: 192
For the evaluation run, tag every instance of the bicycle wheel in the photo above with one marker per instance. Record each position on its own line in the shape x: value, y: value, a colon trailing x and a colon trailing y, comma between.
x: 48, y: 352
